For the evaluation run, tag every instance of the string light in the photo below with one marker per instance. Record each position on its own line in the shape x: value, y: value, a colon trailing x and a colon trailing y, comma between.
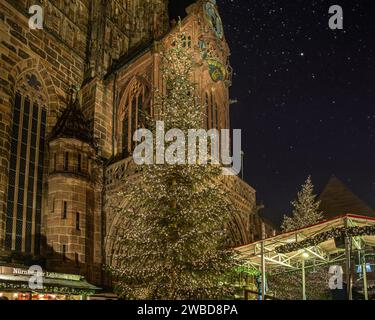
x: 173, y: 241
x: 325, y: 236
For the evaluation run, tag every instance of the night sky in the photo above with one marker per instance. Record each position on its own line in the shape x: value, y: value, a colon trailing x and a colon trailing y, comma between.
x: 306, y: 95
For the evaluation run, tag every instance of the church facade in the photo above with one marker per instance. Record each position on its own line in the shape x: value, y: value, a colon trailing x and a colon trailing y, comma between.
x: 64, y: 155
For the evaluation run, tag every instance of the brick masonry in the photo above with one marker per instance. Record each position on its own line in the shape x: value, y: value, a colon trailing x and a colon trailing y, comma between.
x: 103, y: 49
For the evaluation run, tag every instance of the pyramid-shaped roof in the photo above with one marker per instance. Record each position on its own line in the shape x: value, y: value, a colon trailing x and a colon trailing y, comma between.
x: 73, y: 124
x: 336, y: 199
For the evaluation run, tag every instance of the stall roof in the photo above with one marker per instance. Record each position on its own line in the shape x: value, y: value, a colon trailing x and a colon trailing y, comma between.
x: 57, y: 285
x: 286, y: 250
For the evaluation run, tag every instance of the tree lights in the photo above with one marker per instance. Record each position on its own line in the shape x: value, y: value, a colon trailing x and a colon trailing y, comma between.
x: 305, y: 209
x: 174, y: 242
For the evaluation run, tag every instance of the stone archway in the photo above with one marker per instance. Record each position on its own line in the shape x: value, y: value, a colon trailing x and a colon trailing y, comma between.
x: 115, y: 227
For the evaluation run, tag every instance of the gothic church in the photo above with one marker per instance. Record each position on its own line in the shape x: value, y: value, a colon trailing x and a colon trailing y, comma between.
x: 64, y: 153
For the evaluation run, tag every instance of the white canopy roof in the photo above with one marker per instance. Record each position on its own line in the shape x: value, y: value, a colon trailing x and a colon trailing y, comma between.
x: 316, y: 242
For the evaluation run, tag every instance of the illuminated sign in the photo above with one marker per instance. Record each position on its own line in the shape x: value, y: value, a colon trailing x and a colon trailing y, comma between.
x: 50, y: 275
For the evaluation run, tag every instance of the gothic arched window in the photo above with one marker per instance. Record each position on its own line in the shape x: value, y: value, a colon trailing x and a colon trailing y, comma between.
x: 135, y: 115
x: 207, y: 105
x: 212, y: 110
x: 24, y: 196
x: 214, y: 113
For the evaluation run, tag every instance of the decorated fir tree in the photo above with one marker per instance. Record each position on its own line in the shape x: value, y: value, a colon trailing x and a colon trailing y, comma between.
x: 305, y: 209
x: 174, y: 242
x: 288, y: 285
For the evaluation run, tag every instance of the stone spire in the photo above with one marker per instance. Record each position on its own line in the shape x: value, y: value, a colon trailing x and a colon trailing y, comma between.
x: 73, y: 124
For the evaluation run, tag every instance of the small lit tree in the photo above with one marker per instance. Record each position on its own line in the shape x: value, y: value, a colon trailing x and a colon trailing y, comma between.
x: 305, y: 209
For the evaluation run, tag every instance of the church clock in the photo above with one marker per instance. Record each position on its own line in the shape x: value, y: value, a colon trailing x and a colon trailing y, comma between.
x: 213, y: 18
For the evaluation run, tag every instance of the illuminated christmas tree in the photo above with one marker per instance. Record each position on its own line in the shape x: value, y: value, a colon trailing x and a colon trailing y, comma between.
x: 174, y: 243
x: 305, y: 209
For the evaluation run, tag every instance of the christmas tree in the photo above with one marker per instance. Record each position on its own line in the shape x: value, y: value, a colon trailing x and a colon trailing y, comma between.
x: 174, y: 243
x: 288, y: 285
x: 305, y: 209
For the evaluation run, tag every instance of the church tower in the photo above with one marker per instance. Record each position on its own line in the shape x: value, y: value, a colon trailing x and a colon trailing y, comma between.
x: 120, y: 27
x: 72, y: 220
x: 159, y: 18
x: 55, y: 195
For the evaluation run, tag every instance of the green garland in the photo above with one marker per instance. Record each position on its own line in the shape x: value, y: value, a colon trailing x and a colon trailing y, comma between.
x: 324, y: 236
x: 248, y: 271
x: 48, y: 289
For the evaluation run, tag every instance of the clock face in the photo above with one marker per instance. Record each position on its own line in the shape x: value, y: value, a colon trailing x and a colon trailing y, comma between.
x: 213, y: 18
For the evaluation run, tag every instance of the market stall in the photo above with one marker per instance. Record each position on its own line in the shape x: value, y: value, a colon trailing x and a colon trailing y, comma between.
x: 15, y: 285
x: 345, y: 242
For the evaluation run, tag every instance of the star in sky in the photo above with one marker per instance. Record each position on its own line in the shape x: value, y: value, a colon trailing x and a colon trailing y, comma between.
x: 305, y: 95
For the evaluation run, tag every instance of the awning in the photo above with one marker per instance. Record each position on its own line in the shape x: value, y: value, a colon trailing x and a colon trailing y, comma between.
x: 64, y: 286
x: 325, y: 243
x: 316, y: 242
